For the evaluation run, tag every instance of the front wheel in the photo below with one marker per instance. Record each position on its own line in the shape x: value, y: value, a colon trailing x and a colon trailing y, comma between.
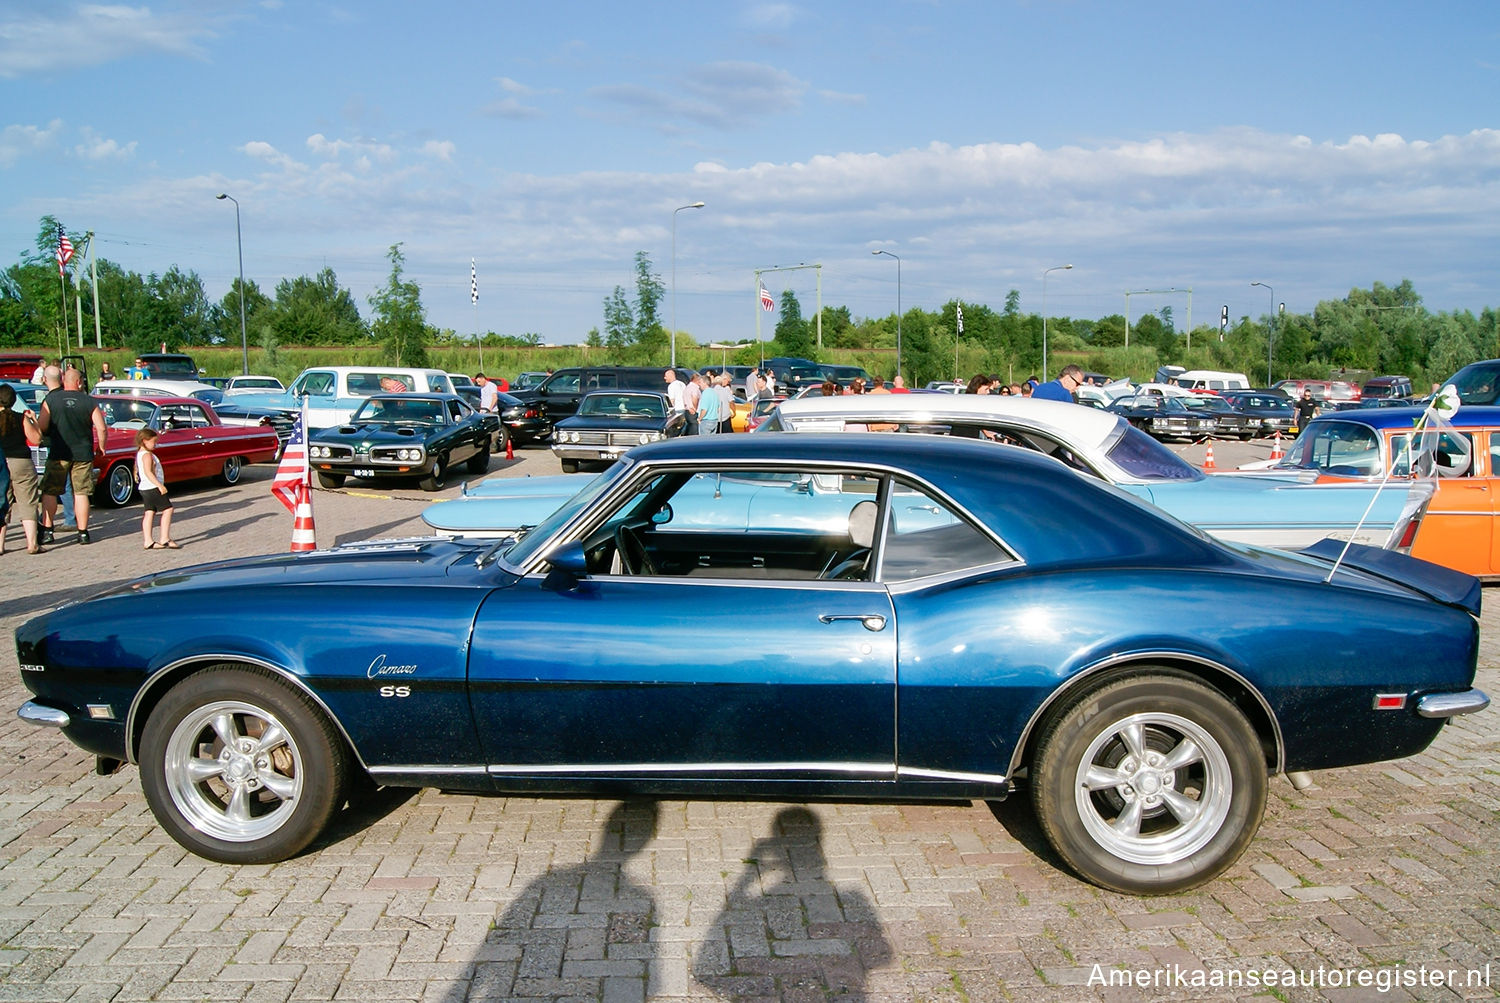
x: 233, y: 467
x: 570, y: 466
x: 434, y: 480
x: 1149, y: 785
x: 331, y: 480
x: 240, y: 768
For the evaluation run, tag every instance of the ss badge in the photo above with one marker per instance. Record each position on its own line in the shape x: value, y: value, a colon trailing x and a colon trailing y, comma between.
x: 395, y: 691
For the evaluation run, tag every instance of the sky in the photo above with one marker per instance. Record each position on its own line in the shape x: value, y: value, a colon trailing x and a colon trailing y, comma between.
x: 1313, y: 147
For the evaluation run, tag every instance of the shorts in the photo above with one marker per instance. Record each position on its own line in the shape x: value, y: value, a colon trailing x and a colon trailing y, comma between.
x: 155, y: 501
x: 26, y: 487
x: 60, y: 472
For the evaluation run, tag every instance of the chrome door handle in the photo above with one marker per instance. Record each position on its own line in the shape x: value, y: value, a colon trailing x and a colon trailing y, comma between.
x: 871, y: 621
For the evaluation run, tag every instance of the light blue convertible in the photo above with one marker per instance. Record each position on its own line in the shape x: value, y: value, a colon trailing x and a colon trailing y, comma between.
x: 1286, y: 512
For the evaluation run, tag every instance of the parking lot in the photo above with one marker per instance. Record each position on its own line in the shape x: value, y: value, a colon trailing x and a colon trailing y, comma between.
x: 1381, y: 882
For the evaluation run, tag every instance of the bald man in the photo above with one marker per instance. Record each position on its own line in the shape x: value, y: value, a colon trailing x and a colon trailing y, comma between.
x: 72, y: 424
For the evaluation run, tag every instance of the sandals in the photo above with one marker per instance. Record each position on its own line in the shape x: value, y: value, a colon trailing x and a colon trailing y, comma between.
x: 169, y: 545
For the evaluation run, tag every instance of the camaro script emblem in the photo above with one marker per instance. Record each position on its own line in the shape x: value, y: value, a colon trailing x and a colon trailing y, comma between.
x: 379, y: 668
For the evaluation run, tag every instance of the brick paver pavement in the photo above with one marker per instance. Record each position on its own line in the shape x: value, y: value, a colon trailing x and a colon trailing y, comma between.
x: 1390, y: 870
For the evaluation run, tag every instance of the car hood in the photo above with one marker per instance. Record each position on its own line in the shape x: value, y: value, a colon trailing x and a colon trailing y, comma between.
x: 610, y: 422
x: 1230, y: 500
x: 503, y: 504
x: 375, y: 431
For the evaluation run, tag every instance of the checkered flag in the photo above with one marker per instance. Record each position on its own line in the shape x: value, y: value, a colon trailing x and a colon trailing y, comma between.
x: 473, y: 283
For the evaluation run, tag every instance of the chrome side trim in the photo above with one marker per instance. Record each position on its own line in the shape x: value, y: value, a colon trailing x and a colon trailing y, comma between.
x: 857, y: 769
x: 1452, y: 704
x: 437, y: 769
x: 1071, y: 684
x: 972, y: 778
x: 34, y: 713
x: 277, y: 670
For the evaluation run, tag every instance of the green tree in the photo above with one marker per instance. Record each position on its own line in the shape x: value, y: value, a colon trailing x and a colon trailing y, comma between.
x: 400, y: 321
x: 315, y: 311
x: 593, y: 340
x: 793, y: 336
x: 649, y: 333
x: 618, y: 321
x: 227, y: 316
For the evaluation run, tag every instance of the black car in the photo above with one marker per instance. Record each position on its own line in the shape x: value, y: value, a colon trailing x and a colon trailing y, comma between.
x: 1163, y: 417
x: 521, y: 422
x: 231, y: 413
x: 611, y: 422
x: 1229, y: 421
x: 420, y: 436
x: 1268, y: 409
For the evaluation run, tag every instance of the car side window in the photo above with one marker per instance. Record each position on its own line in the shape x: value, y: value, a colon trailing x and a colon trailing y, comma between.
x: 564, y: 383
x: 925, y: 536
x: 315, y: 385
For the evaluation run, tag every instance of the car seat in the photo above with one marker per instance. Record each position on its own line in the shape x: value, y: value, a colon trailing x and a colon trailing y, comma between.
x: 854, y: 566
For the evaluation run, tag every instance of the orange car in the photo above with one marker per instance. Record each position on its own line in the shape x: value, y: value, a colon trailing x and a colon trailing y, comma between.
x: 1459, y: 528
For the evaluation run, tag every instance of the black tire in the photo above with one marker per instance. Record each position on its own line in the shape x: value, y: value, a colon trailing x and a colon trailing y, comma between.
x: 1221, y: 791
x: 331, y: 480
x: 500, y: 440
x: 570, y: 466
x: 119, y: 485
x: 434, y: 481
x: 263, y: 804
x: 233, y: 468
x: 479, y: 462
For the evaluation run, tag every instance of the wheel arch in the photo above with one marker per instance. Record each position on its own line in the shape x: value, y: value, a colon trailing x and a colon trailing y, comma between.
x: 1234, y: 687
x: 163, y: 679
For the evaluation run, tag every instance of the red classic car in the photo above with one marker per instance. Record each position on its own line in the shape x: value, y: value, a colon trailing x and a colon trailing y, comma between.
x: 194, y: 443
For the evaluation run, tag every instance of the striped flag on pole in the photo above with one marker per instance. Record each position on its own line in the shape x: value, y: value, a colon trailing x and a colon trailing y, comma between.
x: 64, y: 252
x: 473, y: 283
x: 292, y: 485
x: 767, y: 303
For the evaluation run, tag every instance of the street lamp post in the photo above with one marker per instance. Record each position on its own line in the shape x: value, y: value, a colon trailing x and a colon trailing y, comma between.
x: 1270, y: 327
x: 240, y: 247
x: 694, y: 205
x: 898, y: 306
x: 1054, y: 268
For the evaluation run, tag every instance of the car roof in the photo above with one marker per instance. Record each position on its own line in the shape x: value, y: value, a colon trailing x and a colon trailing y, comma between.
x: 1467, y: 416
x: 406, y: 396
x: 153, y: 388
x: 1087, y: 426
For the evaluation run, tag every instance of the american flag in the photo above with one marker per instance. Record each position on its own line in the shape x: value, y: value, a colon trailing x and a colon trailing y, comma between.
x: 64, y: 251
x: 766, y: 302
x: 292, y: 473
x: 473, y: 283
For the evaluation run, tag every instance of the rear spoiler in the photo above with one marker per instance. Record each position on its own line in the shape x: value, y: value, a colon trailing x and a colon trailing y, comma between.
x: 1452, y: 588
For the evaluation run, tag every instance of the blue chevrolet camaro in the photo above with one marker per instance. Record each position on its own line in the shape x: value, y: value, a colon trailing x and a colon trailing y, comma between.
x: 978, y: 619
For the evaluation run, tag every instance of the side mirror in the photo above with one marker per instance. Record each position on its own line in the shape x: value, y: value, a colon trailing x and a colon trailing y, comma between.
x: 569, y: 565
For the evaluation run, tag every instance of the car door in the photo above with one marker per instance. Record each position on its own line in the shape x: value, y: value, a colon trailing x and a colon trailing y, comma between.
x: 733, y: 671
x: 1458, y: 529
x: 179, y: 447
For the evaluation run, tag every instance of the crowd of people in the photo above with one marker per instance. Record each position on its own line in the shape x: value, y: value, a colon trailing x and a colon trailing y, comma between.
x: 1064, y: 388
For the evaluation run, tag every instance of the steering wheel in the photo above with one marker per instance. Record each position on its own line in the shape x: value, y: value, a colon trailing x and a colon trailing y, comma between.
x: 633, y: 555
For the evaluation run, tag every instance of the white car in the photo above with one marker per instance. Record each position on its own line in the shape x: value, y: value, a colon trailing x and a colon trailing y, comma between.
x: 152, y: 388
x: 253, y: 384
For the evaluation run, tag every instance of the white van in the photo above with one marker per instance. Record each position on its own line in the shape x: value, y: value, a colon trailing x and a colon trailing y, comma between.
x: 1211, y: 381
x: 333, y: 393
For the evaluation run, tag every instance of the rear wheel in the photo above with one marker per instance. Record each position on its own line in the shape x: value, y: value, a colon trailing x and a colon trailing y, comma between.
x: 331, y: 480
x: 1150, y: 785
x: 501, y: 439
x: 479, y: 462
x: 233, y: 468
x: 240, y: 768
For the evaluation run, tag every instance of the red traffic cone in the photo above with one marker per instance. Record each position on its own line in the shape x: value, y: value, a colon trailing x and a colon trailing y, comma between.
x: 1208, y: 459
x: 302, y: 521
x: 1277, y: 453
x: 510, y: 451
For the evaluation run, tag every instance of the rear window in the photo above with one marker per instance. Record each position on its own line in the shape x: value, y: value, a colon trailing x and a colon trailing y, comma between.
x: 1139, y: 455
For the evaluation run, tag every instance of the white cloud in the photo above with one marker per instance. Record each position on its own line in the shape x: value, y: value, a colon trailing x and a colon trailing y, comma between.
x: 56, y: 39
x: 19, y: 141
x: 775, y: 16
x: 439, y: 149
x: 96, y: 147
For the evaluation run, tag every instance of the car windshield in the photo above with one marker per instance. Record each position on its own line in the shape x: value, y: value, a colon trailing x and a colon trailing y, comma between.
x: 1141, y: 456
x: 1478, y: 383
x: 1336, y: 447
x: 1206, y: 403
x: 623, y: 406
x: 523, y: 550
x: 126, y: 412
x: 399, y: 410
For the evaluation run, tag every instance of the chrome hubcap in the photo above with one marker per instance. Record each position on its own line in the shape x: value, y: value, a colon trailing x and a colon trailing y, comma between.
x: 1153, y: 788
x: 233, y: 771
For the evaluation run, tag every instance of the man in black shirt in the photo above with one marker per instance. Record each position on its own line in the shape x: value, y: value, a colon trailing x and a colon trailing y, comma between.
x: 1306, y: 409
x: 71, y: 421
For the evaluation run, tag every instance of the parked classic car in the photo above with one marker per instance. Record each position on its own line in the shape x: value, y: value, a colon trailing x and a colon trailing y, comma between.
x: 610, y: 422
x: 415, y: 436
x: 1288, y: 511
x: 193, y: 444
x: 1271, y: 412
x: 1163, y: 417
x: 334, y: 393
x: 1478, y: 382
x: 983, y: 617
x: 229, y: 409
x: 1229, y: 421
x: 1459, y: 529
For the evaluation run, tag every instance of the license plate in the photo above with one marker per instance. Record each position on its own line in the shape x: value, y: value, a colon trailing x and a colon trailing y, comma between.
x: 364, y: 473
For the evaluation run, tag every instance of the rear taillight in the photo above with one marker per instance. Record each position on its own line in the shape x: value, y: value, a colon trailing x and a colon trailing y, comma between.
x: 1409, y: 535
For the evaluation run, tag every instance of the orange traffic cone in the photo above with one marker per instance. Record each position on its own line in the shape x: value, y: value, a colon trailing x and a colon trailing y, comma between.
x: 1277, y: 453
x: 510, y: 451
x: 302, y: 521
x: 1208, y: 459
